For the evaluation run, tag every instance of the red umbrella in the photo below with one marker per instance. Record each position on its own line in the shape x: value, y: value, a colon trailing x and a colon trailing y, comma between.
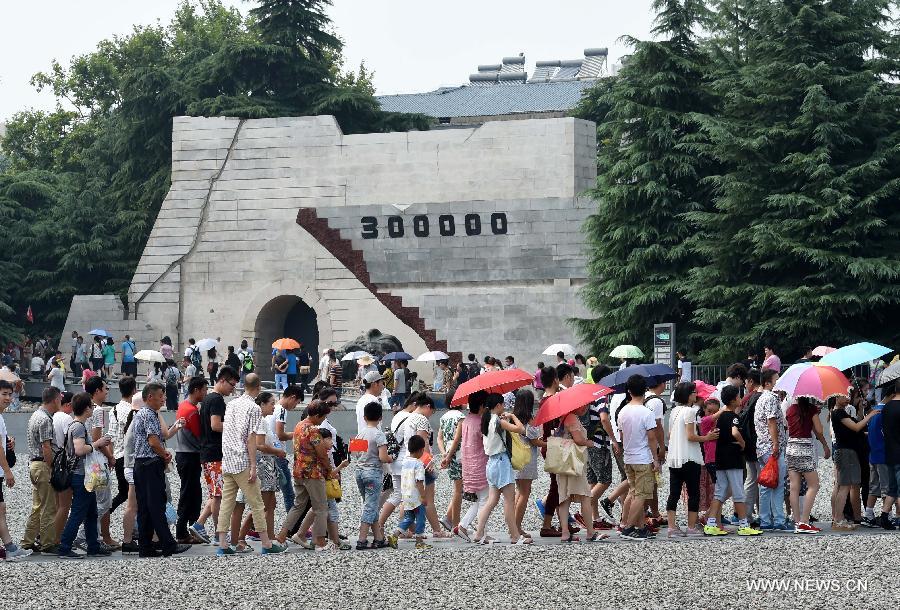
x: 571, y: 399
x: 494, y: 382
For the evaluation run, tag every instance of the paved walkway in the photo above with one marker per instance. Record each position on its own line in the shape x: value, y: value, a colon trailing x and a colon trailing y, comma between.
x: 457, y: 544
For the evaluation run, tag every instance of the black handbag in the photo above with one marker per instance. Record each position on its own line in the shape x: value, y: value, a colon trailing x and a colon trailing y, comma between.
x: 10, y: 455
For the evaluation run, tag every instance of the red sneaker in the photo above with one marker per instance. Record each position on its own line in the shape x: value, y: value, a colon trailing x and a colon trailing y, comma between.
x: 805, y: 528
x: 580, y: 520
x: 603, y: 524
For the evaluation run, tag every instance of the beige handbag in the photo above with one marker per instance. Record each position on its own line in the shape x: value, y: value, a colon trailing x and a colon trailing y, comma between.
x: 564, y: 456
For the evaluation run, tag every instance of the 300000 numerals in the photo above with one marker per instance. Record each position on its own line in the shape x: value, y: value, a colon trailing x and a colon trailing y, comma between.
x: 421, y: 225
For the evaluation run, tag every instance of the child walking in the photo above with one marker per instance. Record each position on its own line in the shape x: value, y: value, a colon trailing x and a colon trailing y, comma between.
x: 496, y: 425
x: 369, y: 473
x: 729, y: 468
x: 412, y: 489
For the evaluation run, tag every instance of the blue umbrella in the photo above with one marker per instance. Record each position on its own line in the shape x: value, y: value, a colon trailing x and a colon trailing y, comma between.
x: 847, y: 357
x: 397, y: 356
x: 99, y: 332
x: 653, y: 373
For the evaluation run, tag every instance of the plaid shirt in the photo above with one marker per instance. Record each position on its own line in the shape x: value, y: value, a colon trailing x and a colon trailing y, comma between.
x: 145, y: 423
x: 40, y: 429
x: 241, y: 420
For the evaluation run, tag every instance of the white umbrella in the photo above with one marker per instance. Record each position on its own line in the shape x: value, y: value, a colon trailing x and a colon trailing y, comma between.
x: 355, y: 356
x: 207, y: 344
x: 565, y: 348
x: 432, y: 357
x: 150, y: 355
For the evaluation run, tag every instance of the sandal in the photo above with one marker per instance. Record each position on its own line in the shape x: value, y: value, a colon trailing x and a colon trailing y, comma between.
x: 597, y: 537
x: 441, y: 534
x: 462, y: 533
x: 523, y: 540
x: 243, y: 547
x: 571, y: 538
x: 485, y: 540
x: 343, y: 546
x: 379, y: 544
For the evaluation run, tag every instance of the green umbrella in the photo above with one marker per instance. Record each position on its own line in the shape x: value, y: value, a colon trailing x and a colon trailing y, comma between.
x: 626, y: 351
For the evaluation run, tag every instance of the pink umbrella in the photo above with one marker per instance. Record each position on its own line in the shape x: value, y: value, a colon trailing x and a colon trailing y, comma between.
x: 704, y: 390
x: 813, y: 380
x: 823, y: 350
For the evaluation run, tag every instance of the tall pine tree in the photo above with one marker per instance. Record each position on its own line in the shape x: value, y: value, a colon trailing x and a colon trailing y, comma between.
x: 803, y: 237
x: 650, y: 175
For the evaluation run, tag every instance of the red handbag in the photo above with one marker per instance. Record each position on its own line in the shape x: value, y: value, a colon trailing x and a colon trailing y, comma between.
x: 768, y: 476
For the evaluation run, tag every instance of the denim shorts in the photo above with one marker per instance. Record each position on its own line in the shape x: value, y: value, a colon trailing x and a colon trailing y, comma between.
x: 499, y: 471
x: 368, y: 481
x: 334, y: 514
x: 733, y: 479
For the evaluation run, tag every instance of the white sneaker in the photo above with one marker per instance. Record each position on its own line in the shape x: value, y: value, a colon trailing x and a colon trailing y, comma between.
x: 19, y: 553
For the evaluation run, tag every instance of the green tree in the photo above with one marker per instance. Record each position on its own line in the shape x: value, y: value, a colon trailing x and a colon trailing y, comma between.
x: 85, y: 181
x: 802, y: 238
x: 650, y: 175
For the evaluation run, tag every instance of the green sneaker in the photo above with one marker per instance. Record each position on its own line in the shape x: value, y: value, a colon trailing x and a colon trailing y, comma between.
x: 714, y: 530
x: 392, y: 541
x: 748, y: 531
x: 274, y: 549
x: 421, y: 546
x: 220, y: 552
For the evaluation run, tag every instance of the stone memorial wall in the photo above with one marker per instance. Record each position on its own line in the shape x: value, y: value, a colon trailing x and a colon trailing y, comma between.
x: 457, y: 240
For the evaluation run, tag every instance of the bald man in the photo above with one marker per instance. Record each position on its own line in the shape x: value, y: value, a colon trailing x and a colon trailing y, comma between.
x: 242, y: 420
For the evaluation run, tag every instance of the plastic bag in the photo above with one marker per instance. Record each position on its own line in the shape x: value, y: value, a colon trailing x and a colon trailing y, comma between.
x: 104, y: 499
x: 768, y: 476
x: 96, y: 471
x: 171, y: 514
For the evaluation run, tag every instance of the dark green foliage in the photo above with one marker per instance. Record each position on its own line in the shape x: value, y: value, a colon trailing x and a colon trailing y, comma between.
x: 83, y: 185
x: 803, y: 238
x: 748, y: 185
x: 649, y: 171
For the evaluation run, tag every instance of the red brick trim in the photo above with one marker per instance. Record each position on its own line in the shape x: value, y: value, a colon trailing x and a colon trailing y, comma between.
x: 343, y: 250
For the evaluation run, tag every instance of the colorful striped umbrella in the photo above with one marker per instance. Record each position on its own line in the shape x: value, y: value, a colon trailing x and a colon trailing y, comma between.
x: 813, y: 380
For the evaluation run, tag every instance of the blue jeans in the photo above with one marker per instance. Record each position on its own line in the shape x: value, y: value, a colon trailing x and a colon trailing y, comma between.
x: 281, y: 381
x: 368, y: 481
x: 287, y: 490
x: 418, y: 515
x: 84, y: 510
x: 771, y: 501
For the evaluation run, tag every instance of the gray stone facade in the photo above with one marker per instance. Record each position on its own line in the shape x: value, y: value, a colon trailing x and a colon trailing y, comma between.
x: 228, y: 254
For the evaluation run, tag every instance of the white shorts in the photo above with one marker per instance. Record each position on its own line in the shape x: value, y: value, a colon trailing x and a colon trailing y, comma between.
x: 129, y: 475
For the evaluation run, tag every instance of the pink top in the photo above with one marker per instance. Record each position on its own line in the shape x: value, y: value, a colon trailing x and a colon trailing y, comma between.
x: 537, y: 380
x: 772, y: 362
x: 707, y: 423
x: 474, y: 459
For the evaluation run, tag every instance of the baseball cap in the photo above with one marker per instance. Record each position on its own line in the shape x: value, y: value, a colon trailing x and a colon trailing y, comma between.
x: 372, y: 377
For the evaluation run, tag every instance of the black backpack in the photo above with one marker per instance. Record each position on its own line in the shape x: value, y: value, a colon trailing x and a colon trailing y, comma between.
x: 196, y: 359
x: 747, y: 427
x: 61, y: 469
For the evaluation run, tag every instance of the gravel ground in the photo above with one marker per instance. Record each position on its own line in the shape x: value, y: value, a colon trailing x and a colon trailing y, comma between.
x: 660, y: 574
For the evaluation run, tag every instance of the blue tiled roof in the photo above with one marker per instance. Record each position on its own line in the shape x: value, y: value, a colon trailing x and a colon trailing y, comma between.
x: 489, y: 100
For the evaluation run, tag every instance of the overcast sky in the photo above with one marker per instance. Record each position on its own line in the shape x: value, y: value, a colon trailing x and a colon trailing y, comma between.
x: 411, y: 45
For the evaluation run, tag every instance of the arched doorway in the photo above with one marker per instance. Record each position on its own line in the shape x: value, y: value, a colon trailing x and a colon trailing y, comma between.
x: 285, y: 316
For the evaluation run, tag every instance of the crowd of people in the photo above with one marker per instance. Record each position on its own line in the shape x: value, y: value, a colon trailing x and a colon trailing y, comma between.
x: 489, y: 448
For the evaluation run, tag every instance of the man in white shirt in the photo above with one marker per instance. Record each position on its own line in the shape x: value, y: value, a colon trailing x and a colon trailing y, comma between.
x: 654, y: 402
x: 637, y: 427
x: 373, y: 382
x: 684, y: 367
x: 290, y: 398
x: 37, y: 365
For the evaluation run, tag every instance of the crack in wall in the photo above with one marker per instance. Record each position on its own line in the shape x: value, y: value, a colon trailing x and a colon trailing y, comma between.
x: 204, y: 214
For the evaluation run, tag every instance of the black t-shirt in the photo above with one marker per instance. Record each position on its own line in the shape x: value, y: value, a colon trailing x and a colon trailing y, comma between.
x: 303, y: 359
x: 729, y: 455
x: 890, y: 424
x: 844, y: 437
x: 210, y: 440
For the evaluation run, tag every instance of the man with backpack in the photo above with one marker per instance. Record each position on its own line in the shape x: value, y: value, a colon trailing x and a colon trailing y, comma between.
x: 748, y: 431
x: 245, y: 359
x: 193, y: 354
x: 469, y: 370
x: 653, y: 400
